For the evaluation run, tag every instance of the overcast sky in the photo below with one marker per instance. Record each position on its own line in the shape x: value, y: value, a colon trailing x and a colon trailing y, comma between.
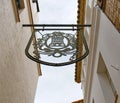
x: 58, y: 11
x: 57, y: 85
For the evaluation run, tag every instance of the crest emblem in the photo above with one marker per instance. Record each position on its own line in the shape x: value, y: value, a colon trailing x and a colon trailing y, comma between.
x: 57, y: 44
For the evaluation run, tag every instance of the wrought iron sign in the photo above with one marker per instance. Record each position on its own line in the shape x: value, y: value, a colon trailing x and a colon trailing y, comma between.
x: 56, y: 44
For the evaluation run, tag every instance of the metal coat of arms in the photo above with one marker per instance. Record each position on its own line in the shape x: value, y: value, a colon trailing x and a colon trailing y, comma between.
x: 57, y: 44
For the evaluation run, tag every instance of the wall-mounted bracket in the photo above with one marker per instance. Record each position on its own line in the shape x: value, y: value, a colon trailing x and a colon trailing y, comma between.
x: 37, y: 5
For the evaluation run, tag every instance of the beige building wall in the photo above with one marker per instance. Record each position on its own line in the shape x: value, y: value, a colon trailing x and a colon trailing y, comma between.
x: 101, y: 70
x: 18, y: 74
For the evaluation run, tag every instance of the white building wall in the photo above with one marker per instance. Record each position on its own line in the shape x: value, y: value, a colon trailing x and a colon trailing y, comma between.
x: 109, y: 43
x: 18, y: 74
x: 106, y: 42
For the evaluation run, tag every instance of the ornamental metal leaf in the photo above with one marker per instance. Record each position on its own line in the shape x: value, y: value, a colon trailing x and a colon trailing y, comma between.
x: 57, y: 44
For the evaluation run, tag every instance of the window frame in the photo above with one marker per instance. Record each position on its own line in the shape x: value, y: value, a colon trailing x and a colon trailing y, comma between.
x: 18, y: 6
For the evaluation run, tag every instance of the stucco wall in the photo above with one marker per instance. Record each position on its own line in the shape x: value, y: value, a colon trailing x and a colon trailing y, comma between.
x: 18, y: 74
x: 108, y: 45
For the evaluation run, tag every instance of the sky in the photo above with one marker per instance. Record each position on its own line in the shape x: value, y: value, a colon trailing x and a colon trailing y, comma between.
x: 58, y: 11
x: 57, y: 85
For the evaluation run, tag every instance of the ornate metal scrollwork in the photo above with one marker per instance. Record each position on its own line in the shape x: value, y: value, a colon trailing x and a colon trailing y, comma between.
x: 57, y: 44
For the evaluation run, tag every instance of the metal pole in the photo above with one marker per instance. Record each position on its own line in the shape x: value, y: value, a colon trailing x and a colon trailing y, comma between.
x: 56, y: 25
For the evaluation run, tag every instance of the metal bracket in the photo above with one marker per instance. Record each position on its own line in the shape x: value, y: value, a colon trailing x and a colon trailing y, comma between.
x: 37, y: 5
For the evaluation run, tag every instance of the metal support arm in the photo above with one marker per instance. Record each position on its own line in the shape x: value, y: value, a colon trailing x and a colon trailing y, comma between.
x: 37, y: 5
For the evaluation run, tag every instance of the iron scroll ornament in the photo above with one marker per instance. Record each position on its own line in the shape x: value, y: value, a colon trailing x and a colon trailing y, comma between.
x: 56, y: 44
x: 54, y: 53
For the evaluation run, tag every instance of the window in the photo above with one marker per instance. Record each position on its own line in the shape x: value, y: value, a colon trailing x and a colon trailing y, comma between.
x: 18, y: 6
x: 105, y: 80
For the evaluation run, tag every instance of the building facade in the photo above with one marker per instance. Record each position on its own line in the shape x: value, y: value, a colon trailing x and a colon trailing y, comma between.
x: 101, y: 69
x: 18, y: 74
